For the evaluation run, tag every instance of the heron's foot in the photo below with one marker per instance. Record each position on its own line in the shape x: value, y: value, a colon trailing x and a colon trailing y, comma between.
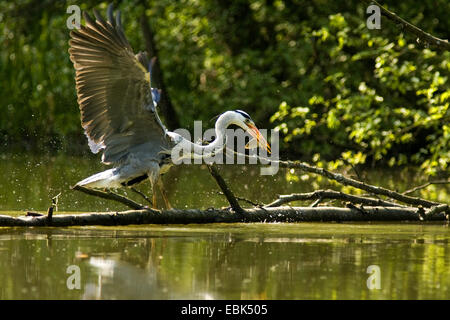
x: 154, y: 200
x: 164, y: 195
x: 168, y: 205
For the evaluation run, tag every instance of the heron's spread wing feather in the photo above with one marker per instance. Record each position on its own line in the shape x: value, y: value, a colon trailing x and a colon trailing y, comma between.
x: 113, y: 87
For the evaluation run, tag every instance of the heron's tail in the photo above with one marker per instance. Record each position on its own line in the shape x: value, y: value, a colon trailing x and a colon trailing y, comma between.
x: 101, y: 180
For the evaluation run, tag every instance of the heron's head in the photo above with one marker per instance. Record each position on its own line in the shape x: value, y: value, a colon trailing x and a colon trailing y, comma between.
x: 243, y: 120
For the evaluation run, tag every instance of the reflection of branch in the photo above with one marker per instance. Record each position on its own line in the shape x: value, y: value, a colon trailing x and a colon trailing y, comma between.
x: 330, y: 194
x: 423, y: 186
x: 110, y: 196
x: 422, y: 35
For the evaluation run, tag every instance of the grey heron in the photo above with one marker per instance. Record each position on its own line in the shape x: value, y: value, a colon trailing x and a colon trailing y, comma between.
x: 118, y: 108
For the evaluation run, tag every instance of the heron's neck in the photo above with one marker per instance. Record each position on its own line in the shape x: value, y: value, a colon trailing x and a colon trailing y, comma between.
x: 219, y: 142
x: 221, y: 125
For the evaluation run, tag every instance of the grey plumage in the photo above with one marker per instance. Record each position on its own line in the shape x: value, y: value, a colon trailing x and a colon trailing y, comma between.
x: 113, y: 90
x: 118, y: 113
x: 118, y: 108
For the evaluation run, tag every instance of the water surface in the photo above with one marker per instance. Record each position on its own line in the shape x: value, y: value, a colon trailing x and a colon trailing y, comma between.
x: 212, y: 261
x: 239, y: 261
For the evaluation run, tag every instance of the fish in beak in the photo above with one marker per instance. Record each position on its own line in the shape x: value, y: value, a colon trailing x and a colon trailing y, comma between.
x: 258, y: 139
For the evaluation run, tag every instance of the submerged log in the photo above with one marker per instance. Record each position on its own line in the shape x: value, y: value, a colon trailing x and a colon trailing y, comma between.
x: 175, y: 216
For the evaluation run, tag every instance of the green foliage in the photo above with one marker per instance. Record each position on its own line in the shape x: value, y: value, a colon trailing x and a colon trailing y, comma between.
x: 310, y: 68
x: 37, y: 86
x: 373, y: 96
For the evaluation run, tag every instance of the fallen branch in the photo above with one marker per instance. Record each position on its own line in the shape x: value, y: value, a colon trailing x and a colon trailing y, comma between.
x: 226, y: 191
x: 370, y: 209
x: 110, y: 196
x: 316, y: 203
x: 416, y: 201
x: 175, y: 216
x: 330, y: 194
x: 253, y: 203
x: 359, y: 184
x: 142, y: 195
x: 437, y: 209
x: 423, y: 186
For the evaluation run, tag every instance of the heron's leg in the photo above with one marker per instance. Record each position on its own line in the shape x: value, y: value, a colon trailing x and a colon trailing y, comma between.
x: 154, y: 200
x: 153, y: 175
x: 153, y: 184
x: 164, y: 194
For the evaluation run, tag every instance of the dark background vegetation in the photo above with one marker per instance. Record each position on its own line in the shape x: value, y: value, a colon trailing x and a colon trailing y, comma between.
x: 336, y: 90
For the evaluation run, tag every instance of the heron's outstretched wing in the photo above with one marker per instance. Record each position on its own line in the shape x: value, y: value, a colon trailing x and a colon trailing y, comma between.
x: 113, y: 87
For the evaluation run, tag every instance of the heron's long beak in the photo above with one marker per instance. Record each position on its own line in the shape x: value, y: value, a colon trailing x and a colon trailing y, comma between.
x: 254, y: 132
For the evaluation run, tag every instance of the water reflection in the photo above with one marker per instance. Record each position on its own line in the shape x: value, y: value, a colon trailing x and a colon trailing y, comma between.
x: 245, y: 261
x: 115, y: 276
x: 242, y: 261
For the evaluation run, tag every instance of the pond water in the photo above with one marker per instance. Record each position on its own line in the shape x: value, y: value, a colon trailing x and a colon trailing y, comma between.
x: 212, y: 261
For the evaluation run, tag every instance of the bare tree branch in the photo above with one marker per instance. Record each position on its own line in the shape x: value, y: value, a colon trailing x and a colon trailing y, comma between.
x: 110, y: 196
x: 330, y: 194
x: 226, y: 191
x: 422, y: 35
x: 345, y: 181
x: 438, y: 209
x: 142, y: 195
x: 316, y: 203
x: 377, y: 209
x: 423, y: 186
x: 253, y: 203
